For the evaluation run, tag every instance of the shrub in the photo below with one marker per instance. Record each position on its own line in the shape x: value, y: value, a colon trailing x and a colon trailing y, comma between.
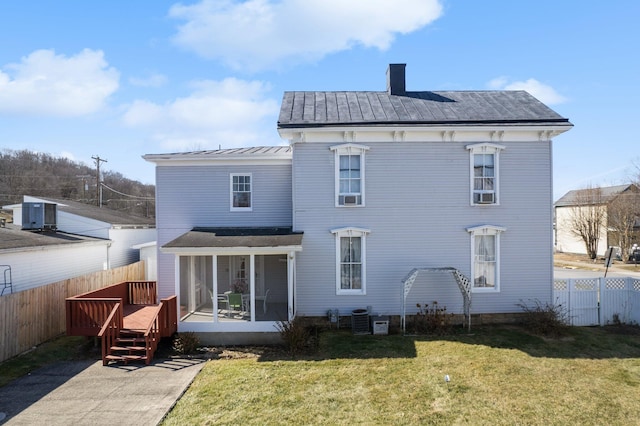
x: 186, y: 343
x: 546, y: 319
x: 295, y: 335
x: 432, y: 319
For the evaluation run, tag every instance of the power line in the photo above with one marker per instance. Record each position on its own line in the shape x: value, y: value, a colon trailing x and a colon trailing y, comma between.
x: 127, y: 195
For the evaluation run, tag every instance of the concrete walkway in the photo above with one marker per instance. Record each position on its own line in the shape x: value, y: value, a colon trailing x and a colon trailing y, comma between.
x: 88, y: 393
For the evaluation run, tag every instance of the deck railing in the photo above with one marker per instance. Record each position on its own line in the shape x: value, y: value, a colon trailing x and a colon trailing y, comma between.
x: 86, y: 316
x: 110, y: 331
x: 87, y: 313
x: 168, y: 316
x: 151, y: 337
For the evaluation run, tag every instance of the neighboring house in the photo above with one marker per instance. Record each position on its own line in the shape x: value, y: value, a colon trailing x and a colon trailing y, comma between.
x: 122, y: 230
x: 37, y: 259
x: 373, y: 185
x: 565, y: 209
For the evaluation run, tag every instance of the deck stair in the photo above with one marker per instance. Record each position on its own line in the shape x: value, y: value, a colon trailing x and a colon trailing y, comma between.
x: 126, y: 317
x: 130, y: 346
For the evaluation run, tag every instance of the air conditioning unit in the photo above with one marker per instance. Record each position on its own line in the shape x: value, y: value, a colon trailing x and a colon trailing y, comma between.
x: 486, y: 198
x: 350, y: 200
x: 39, y: 216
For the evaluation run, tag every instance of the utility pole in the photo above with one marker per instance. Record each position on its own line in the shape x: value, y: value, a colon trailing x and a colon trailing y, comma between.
x: 98, y: 160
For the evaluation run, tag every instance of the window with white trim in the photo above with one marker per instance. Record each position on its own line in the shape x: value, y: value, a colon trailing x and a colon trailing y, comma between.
x: 240, y: 191
x: 349, y: 174
x: 350, y: 260
x: 485, y: 258
x: 484, y: 173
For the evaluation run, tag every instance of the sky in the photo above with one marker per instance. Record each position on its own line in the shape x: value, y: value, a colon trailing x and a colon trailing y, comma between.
x: 120, y: 79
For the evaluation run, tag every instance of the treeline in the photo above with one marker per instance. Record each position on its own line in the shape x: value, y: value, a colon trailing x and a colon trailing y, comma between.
x: 43, y: 175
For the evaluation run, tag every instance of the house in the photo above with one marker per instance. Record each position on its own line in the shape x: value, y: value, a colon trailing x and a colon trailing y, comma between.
x: 30, y: 259
x: 372, y: 186
x: 608, y: 201
x: 123, y: 231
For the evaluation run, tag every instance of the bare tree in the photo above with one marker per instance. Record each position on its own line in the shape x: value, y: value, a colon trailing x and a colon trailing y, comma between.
x: 587, y: 218
x: 622, y: 213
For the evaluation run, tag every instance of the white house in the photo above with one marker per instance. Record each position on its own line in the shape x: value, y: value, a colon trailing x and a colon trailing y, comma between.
x: 30, y: 259
x: 565, y: 208
x: 372, y: 186
x: 122, y: 230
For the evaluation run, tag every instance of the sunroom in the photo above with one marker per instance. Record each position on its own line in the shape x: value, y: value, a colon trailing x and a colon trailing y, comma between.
x: 234, y: 279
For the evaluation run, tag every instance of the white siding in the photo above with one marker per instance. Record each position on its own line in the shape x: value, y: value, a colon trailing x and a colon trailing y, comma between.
x: 80, y: 225
x: 198, y: 196
x: 566, y: 241
x: 32, y: 268
x: 121, y: 252
x: 417, y: 208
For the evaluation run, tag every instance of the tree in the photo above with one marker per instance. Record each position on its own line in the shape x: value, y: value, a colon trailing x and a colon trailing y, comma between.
x: 587, y: 218
x: 622, y: 214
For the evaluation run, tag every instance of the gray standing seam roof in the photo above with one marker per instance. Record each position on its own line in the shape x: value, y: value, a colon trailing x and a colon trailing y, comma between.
x: 315, y: 109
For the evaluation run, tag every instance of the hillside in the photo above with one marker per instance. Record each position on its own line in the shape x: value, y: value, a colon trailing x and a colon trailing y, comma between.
x: 43, y: 175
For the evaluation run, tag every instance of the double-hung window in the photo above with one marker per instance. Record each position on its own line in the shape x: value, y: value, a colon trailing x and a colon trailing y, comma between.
x: 350, y: 260
x: 349, y: 174
x: 241, y: 191
x: 484, y: 173
x: 485, y: 257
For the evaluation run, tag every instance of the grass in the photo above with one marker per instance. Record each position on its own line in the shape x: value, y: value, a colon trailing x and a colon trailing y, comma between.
x: 61, y: 348
x: 499, y: 375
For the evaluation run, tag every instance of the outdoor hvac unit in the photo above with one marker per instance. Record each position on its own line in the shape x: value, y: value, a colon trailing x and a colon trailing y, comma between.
x: 360, y: 321
x: 39, y: 216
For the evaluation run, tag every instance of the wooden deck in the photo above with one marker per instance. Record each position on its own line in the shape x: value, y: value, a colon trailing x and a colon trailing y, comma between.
x: 139, y: 317
x: 126, y: 317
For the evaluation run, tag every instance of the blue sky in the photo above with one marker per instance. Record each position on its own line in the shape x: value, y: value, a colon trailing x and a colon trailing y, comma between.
x: 121, y: 79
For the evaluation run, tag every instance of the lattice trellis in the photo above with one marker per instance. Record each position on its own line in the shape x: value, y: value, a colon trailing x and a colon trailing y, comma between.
x: 463, y: 282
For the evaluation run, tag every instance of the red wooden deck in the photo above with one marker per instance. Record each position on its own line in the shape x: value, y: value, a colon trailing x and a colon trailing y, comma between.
x: 126, y: 316
x: 139, y: 317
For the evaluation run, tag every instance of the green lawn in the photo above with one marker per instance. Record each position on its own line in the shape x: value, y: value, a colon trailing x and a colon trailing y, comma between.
x: 498, y: 375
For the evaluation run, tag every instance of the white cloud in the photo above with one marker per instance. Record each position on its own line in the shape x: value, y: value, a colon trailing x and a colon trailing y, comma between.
x: 153, y: 80
x: 230, y: 113
x: 44, y: 83
x: 258, y: 34
x: 541, y: 91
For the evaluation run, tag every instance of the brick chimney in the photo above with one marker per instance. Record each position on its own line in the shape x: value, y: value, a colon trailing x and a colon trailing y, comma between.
x: 396, y: 80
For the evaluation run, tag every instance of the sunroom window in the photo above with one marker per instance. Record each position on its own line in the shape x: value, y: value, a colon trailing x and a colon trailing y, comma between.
x: 484, y: 173
x: 349, y: 174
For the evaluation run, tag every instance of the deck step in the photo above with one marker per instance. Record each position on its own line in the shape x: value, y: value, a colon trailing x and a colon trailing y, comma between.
x: 131, y: 340
x: 128, y: 348
x: 126, y: 357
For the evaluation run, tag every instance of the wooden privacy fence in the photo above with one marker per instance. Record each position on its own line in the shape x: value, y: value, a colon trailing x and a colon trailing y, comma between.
x: 33, y: 316
x: 599, y: 301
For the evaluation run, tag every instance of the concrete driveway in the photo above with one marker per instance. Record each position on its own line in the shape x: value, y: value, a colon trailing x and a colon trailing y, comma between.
x: 88, y: 393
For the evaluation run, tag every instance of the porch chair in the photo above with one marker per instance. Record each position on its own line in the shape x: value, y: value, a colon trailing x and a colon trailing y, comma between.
x: 234, y: 301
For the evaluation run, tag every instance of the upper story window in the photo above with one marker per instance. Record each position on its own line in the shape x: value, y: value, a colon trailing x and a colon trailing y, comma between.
x: 485, y: 257
x: 484, y: 173
x: 241, y: 191
x: 350, y: 260
x: 349, y: 174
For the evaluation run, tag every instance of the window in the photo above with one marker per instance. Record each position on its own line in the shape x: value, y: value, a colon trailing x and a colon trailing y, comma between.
x: 350, y: 260
x: 484, y: 173
x: 241, y: 192
x: 349, y: 170
x: 485, y: 257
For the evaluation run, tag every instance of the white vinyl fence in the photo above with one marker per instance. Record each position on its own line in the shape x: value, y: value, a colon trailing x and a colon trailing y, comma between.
x: 599, y: 301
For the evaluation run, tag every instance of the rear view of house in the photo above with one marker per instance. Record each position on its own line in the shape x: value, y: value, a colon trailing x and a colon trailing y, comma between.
x: 372, y: 186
